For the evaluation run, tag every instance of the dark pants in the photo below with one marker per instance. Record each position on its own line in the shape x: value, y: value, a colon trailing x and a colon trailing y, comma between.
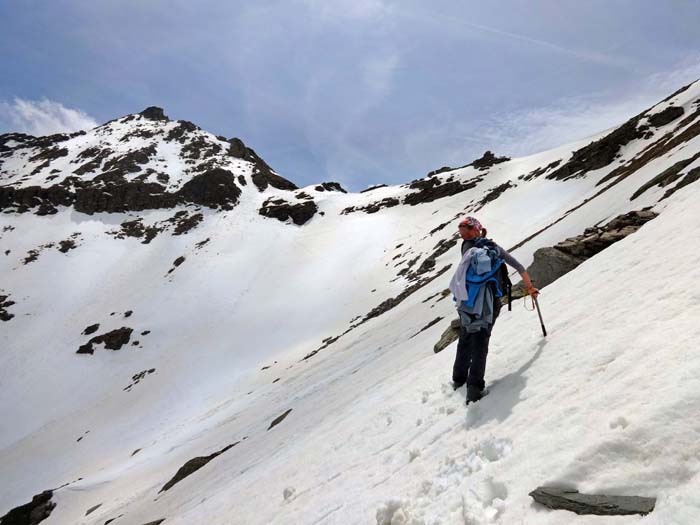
x: 470, y: 362
x: 472, y: 350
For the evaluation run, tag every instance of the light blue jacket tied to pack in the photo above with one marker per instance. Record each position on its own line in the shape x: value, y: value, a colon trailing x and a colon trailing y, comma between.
x: 479, y: 266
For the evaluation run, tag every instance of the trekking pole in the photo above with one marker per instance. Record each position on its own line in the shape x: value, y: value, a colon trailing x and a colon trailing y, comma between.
x: 537, y: 305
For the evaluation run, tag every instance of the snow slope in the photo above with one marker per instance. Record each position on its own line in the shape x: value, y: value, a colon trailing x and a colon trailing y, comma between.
x: 375, y: 435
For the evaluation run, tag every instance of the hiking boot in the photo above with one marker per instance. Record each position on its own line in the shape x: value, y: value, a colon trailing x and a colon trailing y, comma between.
x: 456, y: 384
x: 474, y: 393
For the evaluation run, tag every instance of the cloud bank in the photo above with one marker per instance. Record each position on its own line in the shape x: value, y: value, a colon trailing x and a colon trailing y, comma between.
x: 42, y: 117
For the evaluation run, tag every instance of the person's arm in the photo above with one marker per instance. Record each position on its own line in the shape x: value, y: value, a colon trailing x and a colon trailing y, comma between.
x: 534, y: 292
x: 513, y: 262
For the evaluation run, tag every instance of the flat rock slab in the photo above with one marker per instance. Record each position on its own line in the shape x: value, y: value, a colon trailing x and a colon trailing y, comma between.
x: 599, y: 504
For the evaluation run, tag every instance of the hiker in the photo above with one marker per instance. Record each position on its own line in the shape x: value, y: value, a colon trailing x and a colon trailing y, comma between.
x: 478, y: 283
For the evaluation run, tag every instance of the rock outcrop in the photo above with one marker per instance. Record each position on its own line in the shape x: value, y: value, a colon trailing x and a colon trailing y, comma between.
x: 449, y: 336
x: 550, y: 263
x: 597, y: 504
x: 300, y: 213
x: 31, y: 513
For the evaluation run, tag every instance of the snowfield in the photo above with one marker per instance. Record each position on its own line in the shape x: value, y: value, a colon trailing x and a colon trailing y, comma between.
x: 372, y: 432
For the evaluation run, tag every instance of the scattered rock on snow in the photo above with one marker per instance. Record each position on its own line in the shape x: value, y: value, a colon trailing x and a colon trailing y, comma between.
x: 177, y: 262
x: 431, y: 323
x: 93, y: 509
x: 5, y: 303
x: 666, y: 177
x: 91, y: 329
x: 279, y: 419
x: 598, y: 504
x: 194, y: 465
x: 113, y: 340
x: 373, y: 207
x: 433, y: 188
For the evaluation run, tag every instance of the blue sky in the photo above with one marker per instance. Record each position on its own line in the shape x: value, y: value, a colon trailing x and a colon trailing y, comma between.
x: 357, y: 91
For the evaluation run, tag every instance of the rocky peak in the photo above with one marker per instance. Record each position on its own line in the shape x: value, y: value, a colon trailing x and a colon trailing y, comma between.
x: 154, y: 113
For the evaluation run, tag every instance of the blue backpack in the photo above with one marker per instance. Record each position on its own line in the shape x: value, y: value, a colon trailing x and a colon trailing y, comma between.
x: 486, y: 267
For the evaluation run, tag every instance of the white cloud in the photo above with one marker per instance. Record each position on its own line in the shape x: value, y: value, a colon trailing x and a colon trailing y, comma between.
x: 43, y: 117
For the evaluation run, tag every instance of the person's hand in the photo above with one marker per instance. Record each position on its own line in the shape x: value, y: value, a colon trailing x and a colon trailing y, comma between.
x: 533, y: 292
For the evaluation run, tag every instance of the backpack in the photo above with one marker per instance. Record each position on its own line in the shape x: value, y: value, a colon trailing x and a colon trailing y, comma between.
x: 487, y: 269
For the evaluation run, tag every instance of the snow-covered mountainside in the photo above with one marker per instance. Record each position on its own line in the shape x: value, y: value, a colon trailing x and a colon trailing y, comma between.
x: 172, y: 305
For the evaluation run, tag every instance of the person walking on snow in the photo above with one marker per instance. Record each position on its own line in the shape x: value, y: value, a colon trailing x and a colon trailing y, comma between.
x: 476, y: 289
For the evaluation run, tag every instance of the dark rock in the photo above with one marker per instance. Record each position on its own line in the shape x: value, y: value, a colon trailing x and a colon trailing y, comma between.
x: 31, y: 513
x: 279, y: 209
x: 493, y: 194
x: 440, y: 170
x: 91, y: 329
x: 5, y: 303
x: 131, y: 162
x: 432, y: 189
x: 330, y: 186
x: 430, y: 324
x: 128, y: 313
x: 136, y: 229
x: 279, y: 419
x: 119, y: 198
x: 187, y: 223
x: 212, y: 189
x: 113, y: 340
x: 199, y: 147
x: 690, y: 177
x: 64, y: 246
x: 32, y: 255
x: 374, y: 207
x: 93, y: 509
x: 666, y: 116
x: 178, y: 132
x: 599, y: 153
x: 49, y: 154
x: 597, y: 504
x: 666, y: 177
x: 237, y: 148
x: 192, y: 466
x: 449, y: 336
x: 549, y: 264
x: 375, y: 187
x: 156, y: 522
x: 428, y: 264
x: 552, y: 262
x: 154, y: 113
x: 487, y: 160
x: 263, y: 175
x: 686, y: 130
